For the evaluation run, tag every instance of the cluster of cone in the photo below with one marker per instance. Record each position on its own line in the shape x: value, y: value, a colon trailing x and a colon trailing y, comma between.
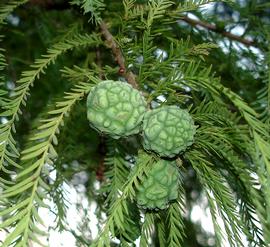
x: 118, y: 110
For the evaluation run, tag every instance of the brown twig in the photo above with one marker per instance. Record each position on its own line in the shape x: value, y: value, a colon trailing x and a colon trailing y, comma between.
x: 130, y: 77
x: 215, y: 29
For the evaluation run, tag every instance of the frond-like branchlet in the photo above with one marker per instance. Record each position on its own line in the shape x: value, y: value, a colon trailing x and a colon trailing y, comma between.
x: 161, y: 230
x: 260, y: 134
x: 117, y: 170
x: 94, y: 7
x: 262, y: 103
x: 12, y: 107
x: 191, y: 5
x: 148, y: 228
x: 116, y: 219
x: 175, y: 222
x: 134, y: 11
x: 30, y: 188
x: 3, y: 91
x: 157, y: 9
x: 8, y: 8
x: 226, y: 139
x: 8, y: 150
x: 220, y: 194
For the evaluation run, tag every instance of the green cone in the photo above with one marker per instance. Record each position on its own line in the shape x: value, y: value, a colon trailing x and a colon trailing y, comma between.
x: 160, y: 187
x: 168, y: 130
x: 115, y: 108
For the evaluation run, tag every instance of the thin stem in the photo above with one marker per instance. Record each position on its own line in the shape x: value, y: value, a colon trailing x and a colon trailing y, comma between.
x: 118, y: 55
x: 215, y: 29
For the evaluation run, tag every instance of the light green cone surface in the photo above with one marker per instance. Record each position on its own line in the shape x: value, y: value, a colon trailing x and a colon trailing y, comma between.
x: 115, y: 108
x: 160, y: 187
x: 168, y: 130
